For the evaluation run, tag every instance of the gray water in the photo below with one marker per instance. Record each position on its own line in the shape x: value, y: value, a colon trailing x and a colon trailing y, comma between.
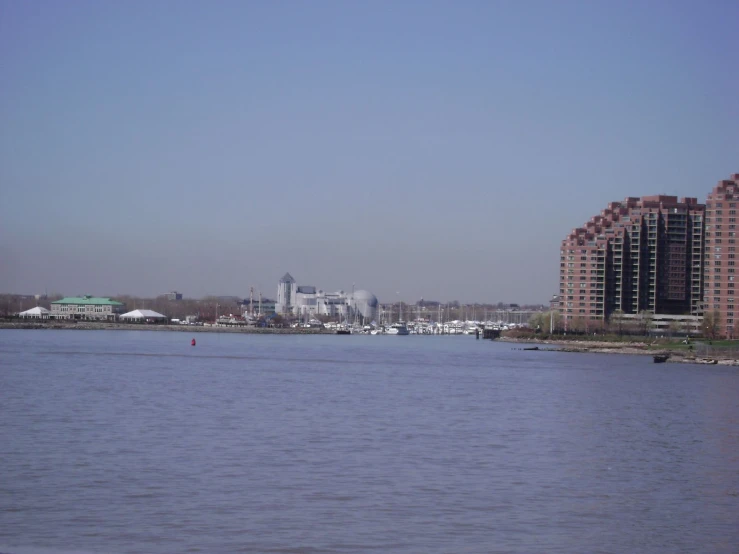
x: 122, y: 442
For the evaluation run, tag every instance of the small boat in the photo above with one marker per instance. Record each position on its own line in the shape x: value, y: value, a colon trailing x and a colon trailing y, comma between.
x: 660, y: 358
x: 397, y: 329
x: 343, y: 331
x: 532, y: 348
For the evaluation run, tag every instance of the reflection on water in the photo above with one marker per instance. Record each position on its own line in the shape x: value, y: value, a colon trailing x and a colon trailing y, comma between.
x: 137, y: 442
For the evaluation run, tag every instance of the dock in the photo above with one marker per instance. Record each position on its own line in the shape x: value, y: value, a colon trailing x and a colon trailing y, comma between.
x: 491, y: 334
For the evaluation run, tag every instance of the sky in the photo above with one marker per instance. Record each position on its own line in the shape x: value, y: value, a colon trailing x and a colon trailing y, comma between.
x: 416, y: 149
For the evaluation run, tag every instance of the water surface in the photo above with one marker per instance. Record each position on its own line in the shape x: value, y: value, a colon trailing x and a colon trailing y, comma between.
x: 125, y: 441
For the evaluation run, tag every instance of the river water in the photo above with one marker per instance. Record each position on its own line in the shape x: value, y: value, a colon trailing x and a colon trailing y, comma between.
x: 125, y: 441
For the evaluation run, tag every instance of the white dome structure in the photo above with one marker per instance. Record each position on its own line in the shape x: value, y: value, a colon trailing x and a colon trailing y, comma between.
x: 365, y: 303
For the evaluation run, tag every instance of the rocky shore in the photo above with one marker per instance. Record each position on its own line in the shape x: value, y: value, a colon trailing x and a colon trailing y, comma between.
x: 635, y: 348
x: 114, y: 326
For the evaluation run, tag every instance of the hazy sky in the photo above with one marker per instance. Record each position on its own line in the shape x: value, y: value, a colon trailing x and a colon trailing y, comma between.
x: 418, y: 149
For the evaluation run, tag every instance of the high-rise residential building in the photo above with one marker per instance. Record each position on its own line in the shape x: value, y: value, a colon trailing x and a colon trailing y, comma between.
x: 640, y: 255
x: 720, y: 268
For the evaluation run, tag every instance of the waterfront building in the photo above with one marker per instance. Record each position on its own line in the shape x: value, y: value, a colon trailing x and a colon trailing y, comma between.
x: 307, y: 300
x: 365, y: 304
x: 264, y: 306
x: 86, y: 307
x: 640, y: 255
x: 38, y: 312
x: 143, y: 316
x: 286, y: 291
x: 720, y: 266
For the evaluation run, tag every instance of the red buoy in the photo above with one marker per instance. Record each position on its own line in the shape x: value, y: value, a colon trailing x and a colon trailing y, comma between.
x: 192, y: 342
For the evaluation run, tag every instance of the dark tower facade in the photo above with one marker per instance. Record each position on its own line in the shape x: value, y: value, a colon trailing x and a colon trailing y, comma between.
x: 642, y: 254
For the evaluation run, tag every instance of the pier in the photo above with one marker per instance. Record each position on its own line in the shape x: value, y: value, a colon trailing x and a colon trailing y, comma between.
x: 491, y: 334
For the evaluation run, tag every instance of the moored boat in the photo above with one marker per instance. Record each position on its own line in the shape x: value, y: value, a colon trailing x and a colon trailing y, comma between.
x: 397, y: 329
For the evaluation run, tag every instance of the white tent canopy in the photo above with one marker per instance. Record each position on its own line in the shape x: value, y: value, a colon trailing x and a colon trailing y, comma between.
x: 36, y: 313
x: 143, y: 314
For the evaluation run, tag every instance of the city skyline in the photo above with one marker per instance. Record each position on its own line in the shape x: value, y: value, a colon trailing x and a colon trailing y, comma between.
x: 420, y: 150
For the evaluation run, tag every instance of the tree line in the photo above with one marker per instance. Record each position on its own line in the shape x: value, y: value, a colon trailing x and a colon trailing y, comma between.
x: 552, y: 323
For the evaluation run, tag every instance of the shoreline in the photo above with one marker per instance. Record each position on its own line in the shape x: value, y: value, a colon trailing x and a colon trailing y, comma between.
x: 116, y: 326
x: 633, y: 348
x: 600, y: 347
x: 636, y: 348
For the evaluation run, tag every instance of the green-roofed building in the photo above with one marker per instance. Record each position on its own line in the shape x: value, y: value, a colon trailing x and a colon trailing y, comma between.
x: 86, y: 307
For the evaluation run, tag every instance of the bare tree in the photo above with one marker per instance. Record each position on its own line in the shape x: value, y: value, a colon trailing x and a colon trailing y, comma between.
x: 711, y: 326
x: 645, y: 319
x: 537, y: 323
x: 616, y: 322
x: 674, y: 328
x: 577, y: 325
x: 554, y: 321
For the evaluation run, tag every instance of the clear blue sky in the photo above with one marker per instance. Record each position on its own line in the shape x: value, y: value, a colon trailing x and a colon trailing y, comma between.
x: 418, y: 149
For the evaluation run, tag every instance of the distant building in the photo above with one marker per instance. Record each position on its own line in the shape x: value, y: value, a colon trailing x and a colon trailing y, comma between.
x: 35, y: 313
x: 308, y: 300
x: 86, y: 307
x: 265, y: 307
x: 229, y: 298
x: 174, y: 295
x: 143, y: 316
x: 286, y: 291
x: 720, y: 261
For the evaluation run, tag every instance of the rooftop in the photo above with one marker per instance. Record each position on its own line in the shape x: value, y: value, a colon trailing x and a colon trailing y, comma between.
x: 88, y: 300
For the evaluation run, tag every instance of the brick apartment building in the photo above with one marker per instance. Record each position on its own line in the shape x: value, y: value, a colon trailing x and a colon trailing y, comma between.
x: 642, y: 254
x: 720, y: 266
x: 654, y: 254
